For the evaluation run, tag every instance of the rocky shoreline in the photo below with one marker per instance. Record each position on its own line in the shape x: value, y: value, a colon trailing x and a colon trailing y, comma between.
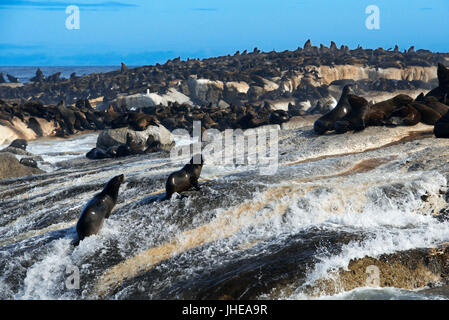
x: 305, y: 74
x: 374, y: 194
x: 238, y: 91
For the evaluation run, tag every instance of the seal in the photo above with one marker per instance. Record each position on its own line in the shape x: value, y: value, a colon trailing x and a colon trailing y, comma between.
x: 134, y: 146
x: 112, y: 152
x: 19, y: 143
x: 327, y: 121
x: 98, y: 209
x: 34, y: 125
x: 405, y: 116
x: 428, y: 115
x: 97, y: 153
x: 442, y: 91
x: 278, y: 117
x: 140, y: 121
x: 356, y: 118
x: 433, y: 103
x: 29, y: 162
x: 185, y: 178
x: 123, y: 150
x: 380, y: 112
x: 441, y: 128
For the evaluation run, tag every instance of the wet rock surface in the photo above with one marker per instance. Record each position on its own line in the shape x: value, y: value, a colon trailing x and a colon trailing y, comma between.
x: 330, y: 207
x: 336, y: 203
x: 11, y: 167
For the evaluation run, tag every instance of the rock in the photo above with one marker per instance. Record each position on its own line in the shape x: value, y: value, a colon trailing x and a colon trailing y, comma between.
x: 204, y: 91
x: 410, y: 269
x: 18, y: 147
x: 299, y: 122
x: 20, y: 152
x: 10, y: 167
x: 116, y: 137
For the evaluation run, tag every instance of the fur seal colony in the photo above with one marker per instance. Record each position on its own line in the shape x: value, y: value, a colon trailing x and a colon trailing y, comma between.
x: 253, y: 200
x: 355, y: 113
x: 244, y: 90
x: 240, y: 78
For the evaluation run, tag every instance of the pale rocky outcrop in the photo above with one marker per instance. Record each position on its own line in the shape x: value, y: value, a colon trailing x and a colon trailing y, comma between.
x: 239, y: 86
x: 205, y: 90
x: 20, y: 130
x: 299, y: 122
x: 116, y: 137
x: 152, y: 99
x: 329, y: 74
x: 270, y: 85
x: 290, y: 84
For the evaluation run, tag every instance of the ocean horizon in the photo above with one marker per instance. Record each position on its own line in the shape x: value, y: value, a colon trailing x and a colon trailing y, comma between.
x: 25, y: 73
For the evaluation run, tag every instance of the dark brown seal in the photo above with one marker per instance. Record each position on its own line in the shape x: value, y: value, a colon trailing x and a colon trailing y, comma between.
x: 356, y: 118
x: 327, y: 121
x: 185, y: 178
x: 380, y: 112
x: 98, y: 209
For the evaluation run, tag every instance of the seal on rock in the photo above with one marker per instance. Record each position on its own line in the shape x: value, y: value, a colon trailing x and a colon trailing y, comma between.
x: 428, y: 115
x: 442, y: 91
x: 98, y: 209
x: 405, y: 116
x: 356, y: 118
x: 278, y: 117
x: 433, y: 103
x: 97, y: 153
x: 441, y: 128
x: 19, y: 143
x: 29, y: 162
x: 327, y: 121
x: 185, y: 178
x: 380, y: 112
x: 34, y: 125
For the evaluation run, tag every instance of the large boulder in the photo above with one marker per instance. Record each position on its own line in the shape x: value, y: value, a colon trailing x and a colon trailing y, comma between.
x: 116, y: 137
x: 18, y: 147
x: 10, y: 167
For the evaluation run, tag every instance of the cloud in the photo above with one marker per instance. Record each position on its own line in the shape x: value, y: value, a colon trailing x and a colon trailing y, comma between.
x: 425, y: 9
x: 54, y: 5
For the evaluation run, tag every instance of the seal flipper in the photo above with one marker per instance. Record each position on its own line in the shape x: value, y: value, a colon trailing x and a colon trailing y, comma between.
x: 194, y: 183
x: 75, y: 242
x: 359, y: 126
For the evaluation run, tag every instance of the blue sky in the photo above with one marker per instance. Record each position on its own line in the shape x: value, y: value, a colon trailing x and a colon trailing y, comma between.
x: 145, y: 32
